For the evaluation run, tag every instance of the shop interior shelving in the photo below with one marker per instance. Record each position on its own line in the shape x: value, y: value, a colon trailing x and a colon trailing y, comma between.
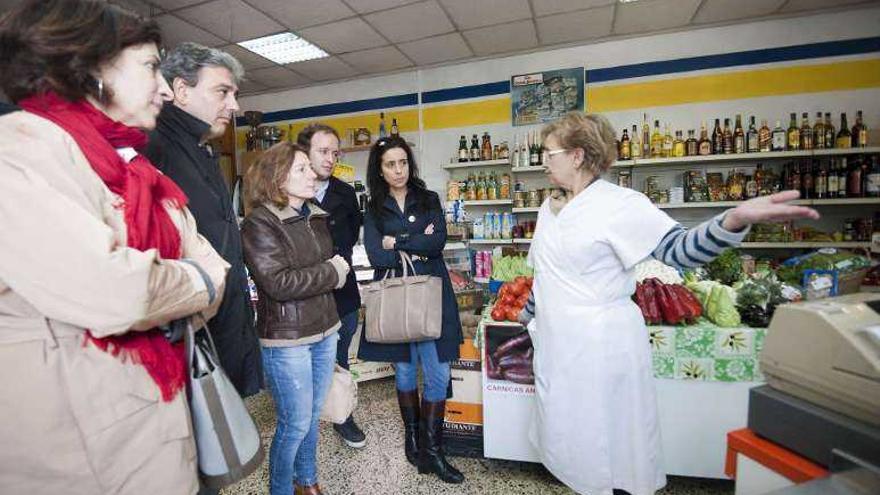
x: 801, y: 202
x: 744, y: 157
x: 483, y: 163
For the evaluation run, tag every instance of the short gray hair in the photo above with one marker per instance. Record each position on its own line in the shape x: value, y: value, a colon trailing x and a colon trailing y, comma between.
x: 188, y: 58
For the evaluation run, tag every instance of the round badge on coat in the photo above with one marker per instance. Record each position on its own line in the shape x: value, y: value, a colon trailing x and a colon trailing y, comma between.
x: 412, y: 218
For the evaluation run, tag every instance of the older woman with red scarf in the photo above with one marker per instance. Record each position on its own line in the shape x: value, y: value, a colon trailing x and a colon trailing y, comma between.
x: 97, y: 251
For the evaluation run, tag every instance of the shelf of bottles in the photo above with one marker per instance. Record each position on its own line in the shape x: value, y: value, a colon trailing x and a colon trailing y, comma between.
x: 522, y: 241
x: 490, y: 241
x: 481, y: 163
x: 528, y: 170
x: 801, y: 202
x: 745, y: 157
x: 488, y: 202
x: 526, y: 210
x: 738, y: 143
x: 806, y: 245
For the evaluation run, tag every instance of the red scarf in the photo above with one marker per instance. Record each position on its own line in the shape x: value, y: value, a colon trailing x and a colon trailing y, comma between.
x: 144, y: 192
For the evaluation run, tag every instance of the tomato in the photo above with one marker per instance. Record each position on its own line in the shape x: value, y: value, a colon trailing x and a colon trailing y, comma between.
x: 512, y: 314
x: 521, y: 301
x: 499, y: 314
x: 508, y: 299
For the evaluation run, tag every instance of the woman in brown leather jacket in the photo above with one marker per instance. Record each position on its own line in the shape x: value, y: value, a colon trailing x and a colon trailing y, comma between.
x: 289, y: 252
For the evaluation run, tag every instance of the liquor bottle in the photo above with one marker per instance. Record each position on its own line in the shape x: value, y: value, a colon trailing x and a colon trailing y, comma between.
x: 524, y: 154
x: 842, y: 177
x: 690, y: 146
x: 668, y: 142
x: 475, y: 149
x: 471, y: 188
x: 534, y: 155
x: 765, y: 138
x: 854, y: 180
x: 492, y: 187
x: 656, y: 141
x: 540, y: 146
x: 678, y: 149
x: 760, y: 177
x: 395, y: 131
x: 794, y: 134
x: 795, y: 182
x: 821, y: 184
x: 623, y: 152
x: 778, y: 137
x: 819, y: 132
x: 739, y: 137
x: 872, y: 184
x: 646, y: 137
x: 463, y: 153
x: 635, y: 147
x: 807, y: 185
x: 486, y: 148
x: 382, y: 132
x: 752, y: 140
x: 751, y: 187
x: 859, y: 132
x: 844, y: 138
x: 717, y: 138
x: 832, y: 177
x: 727, y: 138
x: 806, y: 136
x: 830, y: 135
x: 705, y: 146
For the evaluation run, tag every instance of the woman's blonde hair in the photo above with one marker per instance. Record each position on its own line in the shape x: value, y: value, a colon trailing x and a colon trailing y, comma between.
x: 266, y: 178
x: 590, y: 132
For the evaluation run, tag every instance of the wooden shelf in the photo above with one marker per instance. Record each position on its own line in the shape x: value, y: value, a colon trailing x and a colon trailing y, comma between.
x: 528, y: 170
x: 804, y: 245
x: 801, y: 202
x: 489, y: 202
x: 526, y: 210
x: 485, y: 163
x: 743, y: 157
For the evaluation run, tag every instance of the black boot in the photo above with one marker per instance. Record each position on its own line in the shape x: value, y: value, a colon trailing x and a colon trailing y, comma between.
x: 431, y: 458
x: 409, y: 411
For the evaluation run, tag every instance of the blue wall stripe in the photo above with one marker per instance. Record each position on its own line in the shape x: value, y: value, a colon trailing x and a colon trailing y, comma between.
x: 768, y: 55
x: 463, y: 92
x: 404, y: 100
x: 763, y: 56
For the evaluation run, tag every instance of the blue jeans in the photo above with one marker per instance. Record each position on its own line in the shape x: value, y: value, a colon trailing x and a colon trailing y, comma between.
x: 298, y: 379
x: 435, y: 373
x: 346, y: 332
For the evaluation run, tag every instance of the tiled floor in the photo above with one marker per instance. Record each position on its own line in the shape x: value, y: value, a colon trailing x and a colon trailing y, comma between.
x: 381, y: 468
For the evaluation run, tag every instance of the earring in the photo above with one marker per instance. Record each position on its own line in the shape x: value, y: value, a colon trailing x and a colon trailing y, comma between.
x: 101, y: 90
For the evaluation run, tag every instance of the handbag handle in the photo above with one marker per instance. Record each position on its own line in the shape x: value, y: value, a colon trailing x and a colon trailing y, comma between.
x: 406, y: 262
x: 189, y: 338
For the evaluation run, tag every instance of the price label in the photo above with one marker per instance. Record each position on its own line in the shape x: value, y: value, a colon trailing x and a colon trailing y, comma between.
x: 820, y: 283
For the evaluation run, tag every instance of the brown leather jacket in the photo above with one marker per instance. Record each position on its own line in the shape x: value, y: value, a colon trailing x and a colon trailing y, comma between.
x: 287, y: 255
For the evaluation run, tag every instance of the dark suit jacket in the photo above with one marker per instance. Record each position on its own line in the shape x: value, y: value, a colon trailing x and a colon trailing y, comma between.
x: 341, y: 203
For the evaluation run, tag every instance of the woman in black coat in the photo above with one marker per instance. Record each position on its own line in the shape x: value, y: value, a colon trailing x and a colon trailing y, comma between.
x: 403, y: 215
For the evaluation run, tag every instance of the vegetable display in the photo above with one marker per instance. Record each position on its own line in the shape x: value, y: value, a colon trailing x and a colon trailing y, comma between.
x: 651, y: 268
x: 512, y: 298
x: 726, y: 268
x: 512, y: 360
x: 509, y: 268
x: 662, y: 303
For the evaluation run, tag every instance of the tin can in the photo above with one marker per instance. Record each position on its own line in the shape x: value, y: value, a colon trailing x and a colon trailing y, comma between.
x: 534, y: 199
x: 519, y: 199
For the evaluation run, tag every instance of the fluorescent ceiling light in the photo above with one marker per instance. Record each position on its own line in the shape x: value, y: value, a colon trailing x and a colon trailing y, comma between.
x: 284, y: 48
x: 627, y: 1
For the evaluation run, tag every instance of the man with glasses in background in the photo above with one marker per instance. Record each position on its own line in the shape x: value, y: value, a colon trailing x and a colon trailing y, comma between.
x: 340, y: 201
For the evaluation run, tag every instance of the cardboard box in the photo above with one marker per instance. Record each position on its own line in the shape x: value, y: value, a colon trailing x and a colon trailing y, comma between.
x: 463, y: 424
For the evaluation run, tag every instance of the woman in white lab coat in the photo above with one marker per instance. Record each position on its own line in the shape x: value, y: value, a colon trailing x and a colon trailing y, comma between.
x: 595, y: 424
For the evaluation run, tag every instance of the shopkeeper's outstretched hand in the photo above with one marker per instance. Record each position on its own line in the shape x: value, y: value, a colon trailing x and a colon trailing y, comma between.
x: 767, y: 209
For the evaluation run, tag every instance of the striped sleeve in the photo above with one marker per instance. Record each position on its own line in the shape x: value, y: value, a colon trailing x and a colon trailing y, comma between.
x: 689, y: 248
x: 528, y: 311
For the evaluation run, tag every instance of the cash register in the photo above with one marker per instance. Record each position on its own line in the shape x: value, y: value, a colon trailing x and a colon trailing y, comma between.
x: 821, y: 360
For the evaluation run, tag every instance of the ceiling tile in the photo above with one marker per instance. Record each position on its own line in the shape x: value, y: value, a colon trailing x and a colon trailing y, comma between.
x: 324, y: 69
x: 798, y: 5
x: 175, y: 4
x: 727, y: 10
x: 575, y: 26
x: 503, y: 38
x: 384, y: 59
x: 249, y: 60
x: 249, y: 87
x: 408, y: 23
x: 365, y: 6
x: 468, y: 14
x: 277, y: 77
x: 297, y: 14
x: 349, y: 35
x: 137, y: 6
x: 231, y: 19
x: 547, y: 7
x: 437, y: 49
x: 175, y: 31
x: 653, y: 15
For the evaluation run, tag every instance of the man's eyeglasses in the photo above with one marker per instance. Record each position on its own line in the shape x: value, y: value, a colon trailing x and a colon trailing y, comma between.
x: 547, y: 154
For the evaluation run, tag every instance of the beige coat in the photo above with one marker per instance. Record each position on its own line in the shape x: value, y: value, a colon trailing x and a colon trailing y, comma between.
x: 74, y: 419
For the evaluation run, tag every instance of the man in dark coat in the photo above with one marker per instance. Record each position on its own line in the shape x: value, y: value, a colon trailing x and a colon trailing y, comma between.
x: 339, y: 199
x: 205, y: 83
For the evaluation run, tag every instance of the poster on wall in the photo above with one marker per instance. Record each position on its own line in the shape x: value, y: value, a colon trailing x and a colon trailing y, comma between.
x: 546, y: 96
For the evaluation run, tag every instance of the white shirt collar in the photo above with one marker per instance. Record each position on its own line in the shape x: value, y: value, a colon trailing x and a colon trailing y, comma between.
x: 321, y: 190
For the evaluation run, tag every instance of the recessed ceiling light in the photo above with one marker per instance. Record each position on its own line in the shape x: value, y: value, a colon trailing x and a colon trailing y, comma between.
x: 284, y: 48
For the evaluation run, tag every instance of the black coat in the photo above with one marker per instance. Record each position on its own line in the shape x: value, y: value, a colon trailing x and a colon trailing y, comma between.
x: 7, y: 108
x: 175, y: 150
x: 408, y: 228
x: 341, y: 203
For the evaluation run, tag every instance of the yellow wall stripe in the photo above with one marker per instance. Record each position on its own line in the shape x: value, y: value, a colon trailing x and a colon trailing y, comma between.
x: 859, y: 74
x: 489, y: 111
